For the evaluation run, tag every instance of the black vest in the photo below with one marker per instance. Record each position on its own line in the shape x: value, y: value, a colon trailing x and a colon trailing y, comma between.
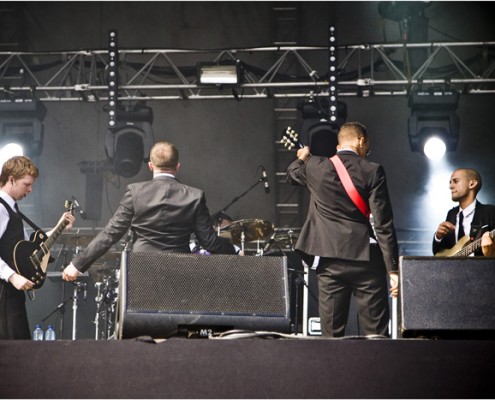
x: 12, y: 235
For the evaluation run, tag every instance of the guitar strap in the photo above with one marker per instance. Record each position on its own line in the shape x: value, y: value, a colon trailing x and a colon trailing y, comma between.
x: 349, y: 186
x: 31, y: 223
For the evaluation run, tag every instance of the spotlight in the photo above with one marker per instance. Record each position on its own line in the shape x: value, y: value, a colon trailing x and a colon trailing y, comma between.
x: 21, y: 124
x: 219, y: 74
x: 128, y: 144
x: 433, y: 115
x: 434, y: 148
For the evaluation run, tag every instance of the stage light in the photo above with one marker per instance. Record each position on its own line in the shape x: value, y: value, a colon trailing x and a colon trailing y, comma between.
x: 433, y: 115
x: 316, y: 130
x: 129, y: 142
x: 435, y: 148
x: 323, y: 139
x: 220, y: 74
x: 113, y: 77
x: 21, y: 124
x: 333, y: 98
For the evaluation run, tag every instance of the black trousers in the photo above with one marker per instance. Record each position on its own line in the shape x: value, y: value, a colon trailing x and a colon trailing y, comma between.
x: 13, y: 315
x: 338, y: 280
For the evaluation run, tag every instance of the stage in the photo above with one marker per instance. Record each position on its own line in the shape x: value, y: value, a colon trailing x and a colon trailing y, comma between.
x: 294, y: 367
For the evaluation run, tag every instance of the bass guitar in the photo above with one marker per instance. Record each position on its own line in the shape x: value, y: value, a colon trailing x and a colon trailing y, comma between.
x: 31, y: 257
x: 464, y: 247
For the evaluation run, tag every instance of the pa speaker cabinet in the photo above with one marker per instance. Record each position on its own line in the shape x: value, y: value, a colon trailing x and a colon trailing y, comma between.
x: 447, y: 296
x: 166, y: 294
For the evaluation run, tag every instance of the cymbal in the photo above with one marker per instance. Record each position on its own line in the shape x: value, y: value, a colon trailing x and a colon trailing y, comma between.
x: 253, y: 229
x: 75, y: 239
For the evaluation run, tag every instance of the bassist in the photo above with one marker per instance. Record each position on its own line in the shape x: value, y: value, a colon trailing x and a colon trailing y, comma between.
x: 16, y: 182
x: 470, y: 220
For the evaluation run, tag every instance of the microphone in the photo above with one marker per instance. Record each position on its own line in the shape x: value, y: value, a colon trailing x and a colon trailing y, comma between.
x: 265, y: 179
x: 78, y: 207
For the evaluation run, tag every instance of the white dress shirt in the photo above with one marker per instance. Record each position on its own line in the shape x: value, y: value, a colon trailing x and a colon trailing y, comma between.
x: 5, y: 271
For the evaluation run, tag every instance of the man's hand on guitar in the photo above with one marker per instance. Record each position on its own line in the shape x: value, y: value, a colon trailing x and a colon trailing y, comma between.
x: 303, y: 153
x: 20, y: 283
x: 66, y: 217
x: 487, y: 245
x: 444, y: 228
x: 70, y: 273
x: 69, y: 217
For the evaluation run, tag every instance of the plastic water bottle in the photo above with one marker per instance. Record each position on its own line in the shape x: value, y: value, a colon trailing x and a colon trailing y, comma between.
x: 38, y: 333
x: 50, y: 333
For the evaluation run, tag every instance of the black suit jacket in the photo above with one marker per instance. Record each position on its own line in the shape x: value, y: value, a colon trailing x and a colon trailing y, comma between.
x: 162, y: 213
x: 334, y: 226
x: 483, y: 220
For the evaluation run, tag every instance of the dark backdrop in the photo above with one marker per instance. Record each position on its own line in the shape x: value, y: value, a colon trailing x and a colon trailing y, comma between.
x: 222, y: 142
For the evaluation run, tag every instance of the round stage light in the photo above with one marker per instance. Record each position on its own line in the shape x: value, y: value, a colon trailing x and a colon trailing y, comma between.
x: 435, y: 148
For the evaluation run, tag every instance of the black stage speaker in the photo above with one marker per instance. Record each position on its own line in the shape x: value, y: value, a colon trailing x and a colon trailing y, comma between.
x: 448, y: 297
x: 166, y: 294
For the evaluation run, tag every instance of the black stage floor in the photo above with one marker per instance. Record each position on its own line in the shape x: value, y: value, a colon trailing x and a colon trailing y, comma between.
x: 295, y: 367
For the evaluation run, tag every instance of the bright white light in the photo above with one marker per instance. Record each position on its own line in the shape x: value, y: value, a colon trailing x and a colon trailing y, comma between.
x: 8, y: 151
x: 435, y: 148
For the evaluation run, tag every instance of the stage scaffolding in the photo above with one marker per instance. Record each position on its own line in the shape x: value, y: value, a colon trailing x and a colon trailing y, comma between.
x: 364, y: 70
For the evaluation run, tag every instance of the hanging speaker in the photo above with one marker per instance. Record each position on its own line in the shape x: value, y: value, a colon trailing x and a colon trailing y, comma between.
x: 449, y: 297
x: 168, y: 294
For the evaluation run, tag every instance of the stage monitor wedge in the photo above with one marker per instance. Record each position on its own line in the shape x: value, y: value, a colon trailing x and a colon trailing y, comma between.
x: 447, y: 297
x: 166, y: 294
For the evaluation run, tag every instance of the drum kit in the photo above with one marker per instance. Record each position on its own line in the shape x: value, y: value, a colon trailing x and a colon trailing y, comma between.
x: 251, y: 236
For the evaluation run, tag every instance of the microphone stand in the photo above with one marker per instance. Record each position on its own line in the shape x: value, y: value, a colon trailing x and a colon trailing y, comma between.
x: 61, y: 309
x: 236, y: 199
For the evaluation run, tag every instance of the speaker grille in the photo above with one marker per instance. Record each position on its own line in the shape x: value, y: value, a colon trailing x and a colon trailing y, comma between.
x: 206, y: 284
x: 446, y: 294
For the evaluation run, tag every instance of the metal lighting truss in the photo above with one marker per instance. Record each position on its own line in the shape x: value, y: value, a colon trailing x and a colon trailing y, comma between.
x: 170, y: 74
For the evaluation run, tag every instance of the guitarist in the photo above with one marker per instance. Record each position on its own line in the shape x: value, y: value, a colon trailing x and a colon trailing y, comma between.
x: 16, y: 182
x: 477, y: 219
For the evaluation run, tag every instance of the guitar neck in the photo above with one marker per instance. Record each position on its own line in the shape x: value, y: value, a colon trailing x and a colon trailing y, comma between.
x: 55, y: 234
x: 473, y: 246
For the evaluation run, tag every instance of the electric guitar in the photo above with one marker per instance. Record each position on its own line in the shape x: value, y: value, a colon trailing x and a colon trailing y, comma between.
x: 31, y: 258
x: 464, y: 247
x: 290, y: 139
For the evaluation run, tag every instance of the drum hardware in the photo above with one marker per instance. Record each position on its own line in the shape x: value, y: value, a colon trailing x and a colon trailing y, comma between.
x: 79, y: 287
x: 106, y: 299
x: 247, y: 230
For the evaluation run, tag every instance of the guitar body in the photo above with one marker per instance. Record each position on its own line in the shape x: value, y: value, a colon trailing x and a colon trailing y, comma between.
x: 464, y: 247
x: 453, y: 251
x: 31, y: 257
x: 30, y: 261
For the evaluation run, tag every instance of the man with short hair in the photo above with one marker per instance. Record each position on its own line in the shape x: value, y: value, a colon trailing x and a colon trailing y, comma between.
x: 470, y: 218
x: 161, y: 213
x: 16, y: 182
x: 352, y: 259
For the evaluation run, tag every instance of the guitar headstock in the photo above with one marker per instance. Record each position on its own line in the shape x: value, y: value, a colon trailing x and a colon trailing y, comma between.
x: 69, y: 206
x: 290, y: 139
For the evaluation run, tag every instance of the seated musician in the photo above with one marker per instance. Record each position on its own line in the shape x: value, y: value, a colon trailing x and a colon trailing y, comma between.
x: 471, y: 220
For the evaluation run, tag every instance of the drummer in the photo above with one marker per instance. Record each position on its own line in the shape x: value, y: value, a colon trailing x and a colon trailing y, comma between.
x: 219, y: 220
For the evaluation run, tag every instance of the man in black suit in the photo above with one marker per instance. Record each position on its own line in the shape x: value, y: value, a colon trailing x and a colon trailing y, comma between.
x: 469, y: 218
x: 161, y: 213
x: 350, y: 259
